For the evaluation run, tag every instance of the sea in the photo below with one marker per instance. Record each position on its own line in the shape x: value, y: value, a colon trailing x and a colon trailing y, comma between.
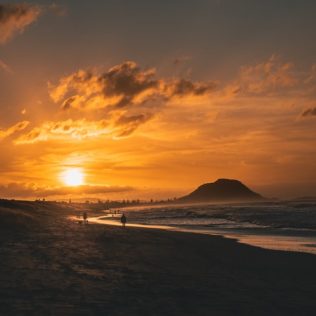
x: 278, y: 225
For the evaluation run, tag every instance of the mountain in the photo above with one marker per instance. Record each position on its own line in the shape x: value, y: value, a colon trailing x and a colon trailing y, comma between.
x: 222, y: 190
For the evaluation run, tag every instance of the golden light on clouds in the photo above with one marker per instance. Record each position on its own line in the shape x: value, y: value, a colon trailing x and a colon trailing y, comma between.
x: 73, y: 177
x: 132, y: 132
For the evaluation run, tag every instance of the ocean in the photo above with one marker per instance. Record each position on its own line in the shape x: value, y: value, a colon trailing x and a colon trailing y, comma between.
x: 282, y: 225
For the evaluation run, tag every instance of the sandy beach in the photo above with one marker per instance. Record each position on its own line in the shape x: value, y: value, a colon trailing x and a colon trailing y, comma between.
x: 51, y: 265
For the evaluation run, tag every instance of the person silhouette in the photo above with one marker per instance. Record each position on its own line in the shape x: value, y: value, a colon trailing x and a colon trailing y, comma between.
x: 123, y: 220
x: 85, y: 217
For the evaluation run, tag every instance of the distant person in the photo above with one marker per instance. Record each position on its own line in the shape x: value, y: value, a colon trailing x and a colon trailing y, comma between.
x: 123, y: 220
x: 85, y: 217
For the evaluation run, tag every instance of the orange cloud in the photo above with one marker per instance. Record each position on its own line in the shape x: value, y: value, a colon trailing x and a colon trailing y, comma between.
x: 60, y: 130
x: 185, y: 125
x: 14, y: 18
x: 124, y: 85
x: 121, y: 126
x: 271, y: 76
x: 13, y: 129
x: 127, y: 95
x: 24, y: 190
x: 126, y: 125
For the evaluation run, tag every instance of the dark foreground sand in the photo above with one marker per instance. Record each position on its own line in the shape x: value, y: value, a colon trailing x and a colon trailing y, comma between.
x: 52, y: 266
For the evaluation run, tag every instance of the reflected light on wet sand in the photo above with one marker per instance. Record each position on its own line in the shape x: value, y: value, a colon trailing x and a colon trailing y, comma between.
x: 283, y: 243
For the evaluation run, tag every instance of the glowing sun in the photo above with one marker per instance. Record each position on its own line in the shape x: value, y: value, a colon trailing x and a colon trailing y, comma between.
x: 73, y: 177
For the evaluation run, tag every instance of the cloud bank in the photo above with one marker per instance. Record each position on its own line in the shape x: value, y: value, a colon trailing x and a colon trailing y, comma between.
x: 178, y: 124
x: 123, y: 98
x: 24, y: 190
x: 124, y: 85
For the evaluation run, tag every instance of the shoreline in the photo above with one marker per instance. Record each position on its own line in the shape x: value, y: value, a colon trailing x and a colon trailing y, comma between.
x: 265, y: 241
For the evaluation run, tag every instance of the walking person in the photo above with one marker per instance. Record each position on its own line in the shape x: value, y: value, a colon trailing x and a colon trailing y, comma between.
x: 85, y: 217
x: 123, y: 220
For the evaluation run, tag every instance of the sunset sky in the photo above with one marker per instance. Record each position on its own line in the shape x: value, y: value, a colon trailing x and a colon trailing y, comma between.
x: 149, y: 99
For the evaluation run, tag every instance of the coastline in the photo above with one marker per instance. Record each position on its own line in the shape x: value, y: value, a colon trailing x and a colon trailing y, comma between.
x: 58, y: 267
x: 269, y: 241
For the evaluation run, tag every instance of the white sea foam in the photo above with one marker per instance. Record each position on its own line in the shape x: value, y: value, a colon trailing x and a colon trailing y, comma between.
x: 288, y: 225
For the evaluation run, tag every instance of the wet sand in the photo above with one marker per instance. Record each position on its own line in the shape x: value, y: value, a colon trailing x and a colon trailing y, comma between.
x: 269, y: 239
x: 51, y: 265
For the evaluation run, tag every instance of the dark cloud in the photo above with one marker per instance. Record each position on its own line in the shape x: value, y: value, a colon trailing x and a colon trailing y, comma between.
x: 124, y: 85
x: 68, y: 102
x: 127, y: 94
x: 128, y: 81
x: 14, y: 18
x: 128, y: 124
x: 309, y: 112
x: 183, y: 87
